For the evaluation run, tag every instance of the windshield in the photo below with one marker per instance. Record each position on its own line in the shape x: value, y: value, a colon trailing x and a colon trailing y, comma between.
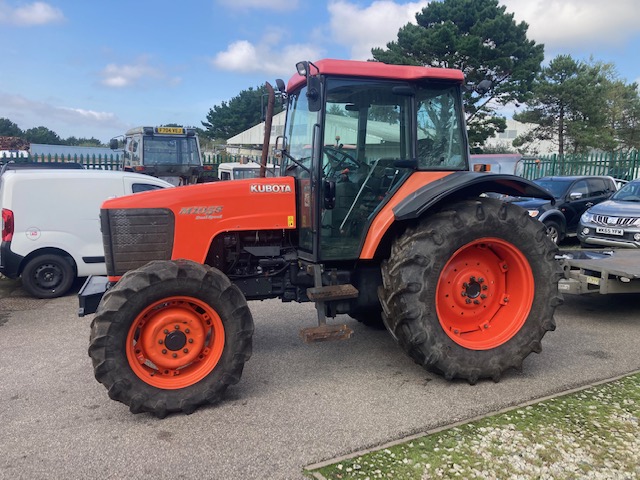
x: 558, y: 188
x: 170, y: 151
x: 367, y: 120
x: 629, y: 193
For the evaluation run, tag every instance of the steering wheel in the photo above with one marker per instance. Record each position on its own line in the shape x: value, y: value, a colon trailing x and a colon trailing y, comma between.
x: 338, y: 160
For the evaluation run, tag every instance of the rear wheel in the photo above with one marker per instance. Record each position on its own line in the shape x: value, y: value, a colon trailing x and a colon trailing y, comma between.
x: 470, y: 291
x: 48, y: 276
x: 170, y: 336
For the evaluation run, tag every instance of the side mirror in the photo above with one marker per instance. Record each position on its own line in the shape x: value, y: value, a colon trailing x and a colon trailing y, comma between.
x: 329, y: 194
x: 113, y: 144
x: 313, y: 93
x: 575, y: 195
x: 484, y: 86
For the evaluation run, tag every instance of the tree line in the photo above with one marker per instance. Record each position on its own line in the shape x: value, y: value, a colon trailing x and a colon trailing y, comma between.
x: 43, y: 135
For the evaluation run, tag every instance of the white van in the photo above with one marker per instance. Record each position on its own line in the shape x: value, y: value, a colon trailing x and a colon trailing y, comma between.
x: 50, y: 223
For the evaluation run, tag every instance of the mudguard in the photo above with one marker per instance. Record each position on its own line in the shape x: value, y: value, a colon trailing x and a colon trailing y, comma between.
x: 423, y: 190
x: 466, y: 184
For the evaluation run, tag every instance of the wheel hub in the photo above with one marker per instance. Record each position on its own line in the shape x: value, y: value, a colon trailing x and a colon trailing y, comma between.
x: 175, y: 340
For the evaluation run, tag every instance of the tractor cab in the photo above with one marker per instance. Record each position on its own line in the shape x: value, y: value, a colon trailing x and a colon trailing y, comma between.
x: 353, y: 137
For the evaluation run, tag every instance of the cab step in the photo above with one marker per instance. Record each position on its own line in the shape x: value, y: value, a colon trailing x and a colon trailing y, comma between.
x: 325, y: 333
x: 332, y: 292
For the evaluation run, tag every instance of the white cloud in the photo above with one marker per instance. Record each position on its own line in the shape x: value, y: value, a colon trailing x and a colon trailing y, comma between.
x: 65, y: 121
x: 265, y: 57
x: 562, y: 24
x: 362, y: 29
x: 31, y: 14
x: 138, y: 74
x: 279, y: 5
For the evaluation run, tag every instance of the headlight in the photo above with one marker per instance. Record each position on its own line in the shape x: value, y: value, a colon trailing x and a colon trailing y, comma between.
x: 534, y: 213
x: 586, y: 217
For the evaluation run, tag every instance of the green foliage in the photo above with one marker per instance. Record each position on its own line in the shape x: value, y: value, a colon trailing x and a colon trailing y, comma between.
x: 481, y: 39
x: 238, y: 114
x: 83, y: 142
x: 9, y: 129
x: 42, y: 135
x: 581, y: 106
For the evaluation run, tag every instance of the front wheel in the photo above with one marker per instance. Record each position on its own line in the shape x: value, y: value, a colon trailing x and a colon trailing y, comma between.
x: 170, y: 337
x: 470, y: 291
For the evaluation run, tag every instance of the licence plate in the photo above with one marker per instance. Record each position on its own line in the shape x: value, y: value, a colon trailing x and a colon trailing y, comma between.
x: 610, y: 231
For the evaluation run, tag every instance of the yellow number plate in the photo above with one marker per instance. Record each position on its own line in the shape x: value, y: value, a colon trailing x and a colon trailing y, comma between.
x: 170, y: 130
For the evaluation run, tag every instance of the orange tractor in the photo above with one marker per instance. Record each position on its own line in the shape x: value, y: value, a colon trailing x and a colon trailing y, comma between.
x: 376, y: 215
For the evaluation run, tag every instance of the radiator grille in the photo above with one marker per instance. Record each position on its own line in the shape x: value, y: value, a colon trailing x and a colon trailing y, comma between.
x: 134, y: 237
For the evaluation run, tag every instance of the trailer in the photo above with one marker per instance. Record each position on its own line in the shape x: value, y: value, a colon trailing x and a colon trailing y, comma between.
x: 599, y: 271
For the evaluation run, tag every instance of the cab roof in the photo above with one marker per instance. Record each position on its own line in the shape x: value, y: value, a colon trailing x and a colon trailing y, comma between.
x: 353, y: 68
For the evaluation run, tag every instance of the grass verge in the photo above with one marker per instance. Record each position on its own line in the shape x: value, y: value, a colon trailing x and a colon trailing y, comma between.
x: 593, y: 433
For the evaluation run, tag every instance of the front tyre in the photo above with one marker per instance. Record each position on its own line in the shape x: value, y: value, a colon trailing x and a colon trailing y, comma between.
x: 170, y: 336
x: 470, y: 291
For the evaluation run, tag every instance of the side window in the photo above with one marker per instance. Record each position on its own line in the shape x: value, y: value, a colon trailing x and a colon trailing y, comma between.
x: 225, y: 176
x: 144, y: 187
x: 597, y: 187
x: 580, y: 187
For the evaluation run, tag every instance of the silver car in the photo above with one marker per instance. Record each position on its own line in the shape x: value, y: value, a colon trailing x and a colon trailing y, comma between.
x: 615, y: 222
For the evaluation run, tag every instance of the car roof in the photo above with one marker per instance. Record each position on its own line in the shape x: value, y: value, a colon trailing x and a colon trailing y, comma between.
x: 82, y: 173
x: 573, y: 177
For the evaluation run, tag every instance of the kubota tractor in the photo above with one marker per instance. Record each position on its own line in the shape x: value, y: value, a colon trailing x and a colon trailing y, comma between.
x: 376, y: 215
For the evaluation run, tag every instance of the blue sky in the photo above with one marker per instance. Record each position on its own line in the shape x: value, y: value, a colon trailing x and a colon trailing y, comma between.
x: 94, y: 69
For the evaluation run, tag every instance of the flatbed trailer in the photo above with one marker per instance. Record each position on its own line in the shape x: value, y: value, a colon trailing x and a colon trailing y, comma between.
x: 599, y: 271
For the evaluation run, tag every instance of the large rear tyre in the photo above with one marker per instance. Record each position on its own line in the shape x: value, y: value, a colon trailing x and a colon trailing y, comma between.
x: 170, y: 336
x: 470, y: 291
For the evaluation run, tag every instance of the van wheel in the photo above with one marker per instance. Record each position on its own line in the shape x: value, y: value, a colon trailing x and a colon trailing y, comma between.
x: 48, y: 276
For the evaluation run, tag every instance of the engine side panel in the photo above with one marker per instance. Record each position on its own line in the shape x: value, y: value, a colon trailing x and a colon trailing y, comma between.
x: 203, y: 211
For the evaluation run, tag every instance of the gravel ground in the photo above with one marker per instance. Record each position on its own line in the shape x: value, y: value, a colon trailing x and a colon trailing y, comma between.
x: 591, y: 434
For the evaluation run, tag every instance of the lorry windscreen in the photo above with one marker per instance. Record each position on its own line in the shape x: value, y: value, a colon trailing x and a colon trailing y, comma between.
x: 170, y: 151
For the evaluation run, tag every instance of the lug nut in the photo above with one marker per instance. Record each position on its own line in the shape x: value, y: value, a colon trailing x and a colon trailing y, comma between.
x: 177, y: 327
x: 166, y: 331
x: 472, y: 279
x: 175, y: 355
x: 484, y: 287
x: 187, y: 331
x: 483, y: 296
x: 480, y: 280
x: 468, y: 300
x: 186, y: 350
x: 477, y: 302
x: 191, y: 340
x: 164, y: 351
x: 160, y: 341
x: 464, y: 294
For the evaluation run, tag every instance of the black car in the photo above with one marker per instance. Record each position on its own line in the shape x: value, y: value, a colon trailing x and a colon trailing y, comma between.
x: 573, y: 196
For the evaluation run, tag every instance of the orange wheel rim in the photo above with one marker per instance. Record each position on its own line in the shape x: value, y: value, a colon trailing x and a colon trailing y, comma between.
x: 484, y: 293
x: 175, y: 342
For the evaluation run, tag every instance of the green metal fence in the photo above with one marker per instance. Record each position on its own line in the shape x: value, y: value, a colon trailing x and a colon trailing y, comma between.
x: 623, y: 166
x: 113, y: 161
x: 618, y: 165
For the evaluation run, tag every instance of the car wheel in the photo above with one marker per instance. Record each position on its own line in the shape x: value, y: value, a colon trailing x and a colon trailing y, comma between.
x: 554, y: 232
